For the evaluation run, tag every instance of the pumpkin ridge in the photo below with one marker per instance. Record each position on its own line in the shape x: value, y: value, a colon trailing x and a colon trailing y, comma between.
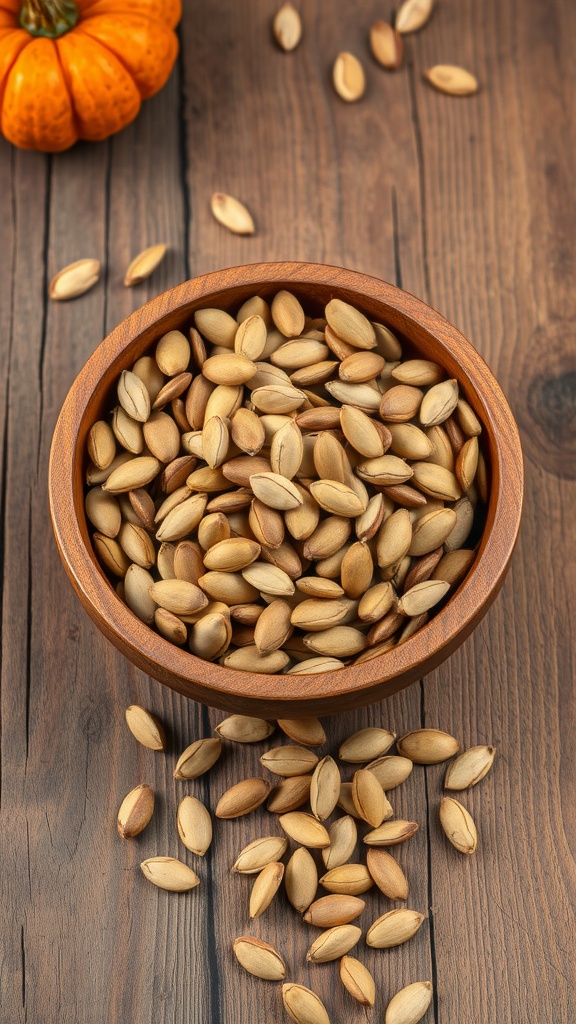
x: 139, y: 69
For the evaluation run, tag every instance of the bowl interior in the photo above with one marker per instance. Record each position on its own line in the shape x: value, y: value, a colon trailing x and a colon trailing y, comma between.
x: 422, y: 332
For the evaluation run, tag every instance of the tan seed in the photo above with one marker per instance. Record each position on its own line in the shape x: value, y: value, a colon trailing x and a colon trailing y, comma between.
x: 467, y: 463
x: 247, y: 431
x: 343, y: 836
x: 287, y: 27
x: 178, y: 596
x: 360, y: 367
x: 286, y: 450
x: 308, y: 732
x: 451, y: 79
x: 275, y: 491
x: 103, y: 512
x: 339, y: 641
x: 135, y: 811
x: 301, y: 879
x: 132, y: 474
x: 337, y: 498
x: 232, y: 214
x: 144, y: 264
x: 324, y: 788
x: 368, y: 797
x: 454, y: 566
x: 230, y: 368
x: 265, y: 888
x: 358, y: 981
x: 390, y: 833
x: 74, y: 280
x: 287, y: 314
x: 436, y: 481
x: 333, y: 943
x: 410, y: 1004
x: 393, y: 928
x: 400, y: 403
x: 232, y: 555
x: 101, y: 444
x: 333, y: 910
x: 289, y: 794
x: 469, y: 768
x: 387, y: 873
x: 169, y: 873
x: 458, y: 825
x: 249, y: 659
x: 242, y: 798
x: 259, y: 853
x: 348, y: 77
x: 348, y: 879
x: 259, y: 958
x: 289, y: 760
x: 305, y: 829
x: 391, y: 771
x: 427, y: 746
x: 394, y: 538
x: 137, y: 583
x: 413, y: 15
x: 198, y: 758
x: 145, y: 727
x: 386, y: 45
x: 439, y: 403
x: 303, y: 1005
x: 194, y: 825
x: 366, y: 744
x: 422, y: 597
x: 387, y: 470
x: 243, y: 729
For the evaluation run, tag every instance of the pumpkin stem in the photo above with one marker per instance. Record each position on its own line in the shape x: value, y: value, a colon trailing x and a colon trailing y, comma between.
x: 49, y: 18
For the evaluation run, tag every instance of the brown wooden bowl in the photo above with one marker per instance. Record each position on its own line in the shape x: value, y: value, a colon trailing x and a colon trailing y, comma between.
x: 274, y: 696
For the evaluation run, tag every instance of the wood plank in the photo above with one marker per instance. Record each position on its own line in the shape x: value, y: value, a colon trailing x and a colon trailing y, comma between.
x: 355, y: 207
x: 500, y: 200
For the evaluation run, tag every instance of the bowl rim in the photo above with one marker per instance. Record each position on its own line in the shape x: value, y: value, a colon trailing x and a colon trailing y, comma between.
x: 207, y: 680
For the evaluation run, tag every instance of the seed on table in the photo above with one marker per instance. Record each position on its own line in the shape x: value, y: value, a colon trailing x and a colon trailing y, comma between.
x: 145, y: 727
x: 74, y: 280
x: 348, y: 879
x: 169, y: 873
x: 345, y: 800
x: 369, y: 798
x: 198, y: 758
x: 469, y: 768
x: 458, y: 825
x: 243, y: 729
x: 135, y: 811
x: 309, y: 732
x: 232, y: 214
x: 334, y: 910
x: 343, y: 835
x: 358, y: 981
x: 427, y: 746
x: 451, y: 79
x: 386, y: 45
x: 265, y: 888
x: 259, y: 958
x: 301, y: 879
x: 242, y: 798
x: 144, y: 264
x: 324, y: 788
x: 259, y: 853
x: 333, y: 943
x: 289, y: 760
x: 409, y: 1005
x: 387, y: 873
x: 413, y: 15
x: 390, y: 833
x: 194, y: 825
x: 289, y: 794
x: 366, y: 744
x: 287, y: 27
x: 391, y: 770
x: 393, y: 928
x: 303, y: 1005
x: 305, y: 829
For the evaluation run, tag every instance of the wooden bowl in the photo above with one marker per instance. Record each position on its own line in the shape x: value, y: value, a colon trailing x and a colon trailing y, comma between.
x: 275, y: 696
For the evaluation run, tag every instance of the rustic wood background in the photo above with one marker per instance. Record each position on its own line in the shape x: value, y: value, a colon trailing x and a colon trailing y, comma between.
x: 470, y: 205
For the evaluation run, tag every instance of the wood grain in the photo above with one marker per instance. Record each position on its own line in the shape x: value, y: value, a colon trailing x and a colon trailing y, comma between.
x: 467, y: 203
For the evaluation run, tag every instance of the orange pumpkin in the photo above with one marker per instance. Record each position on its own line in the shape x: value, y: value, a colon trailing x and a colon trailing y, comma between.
x: 80, y: 70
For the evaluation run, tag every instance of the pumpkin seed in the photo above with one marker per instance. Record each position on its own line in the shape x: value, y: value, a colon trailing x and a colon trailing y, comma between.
x: 451, y: 79
x: 469, y: 767
x: 144, y: 264
x: 409, y: 1005
x: 301, y: 879
x: 358, y: 981
x: 232, y: 214
x: 393, y: 928
x: 74, y: 280
x: 259, y: 958
x: 333, y: 943
x: 194, y: 825
x: 135, y: 811
x: 458, y: 825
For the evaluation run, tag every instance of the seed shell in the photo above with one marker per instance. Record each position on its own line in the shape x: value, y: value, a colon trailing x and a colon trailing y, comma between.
x: 366, y: 745
x: 288, y: 761
x: 145, y: 727
x: 458, y: 825
x: 242, y: 798
x: 469, y: 767
x: 303, y: 1005
x: 387, y: 874
x: 409, y: 1005
x: 259, y: 853
x: 232, y: 214
x: 265, y: 888
x: 135, y: 811
x: 358, y: 981
x: 333, y: 943
x: 259, y: 958
x: 301, y: 879
x: 333, y: 910
x: 305, y: 829
x: 393, y: 928
x: 169, y: 873
x: 243, y: 729
x: 427, y: 746
x: 194, y: 825
x: 198, y: 758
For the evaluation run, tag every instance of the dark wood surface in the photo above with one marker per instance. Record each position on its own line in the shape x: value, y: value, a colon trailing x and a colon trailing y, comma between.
x: 470, y: 205
x: 417, y: 324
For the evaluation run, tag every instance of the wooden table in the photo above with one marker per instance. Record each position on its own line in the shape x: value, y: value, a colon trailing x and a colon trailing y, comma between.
x: 468, y: 203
